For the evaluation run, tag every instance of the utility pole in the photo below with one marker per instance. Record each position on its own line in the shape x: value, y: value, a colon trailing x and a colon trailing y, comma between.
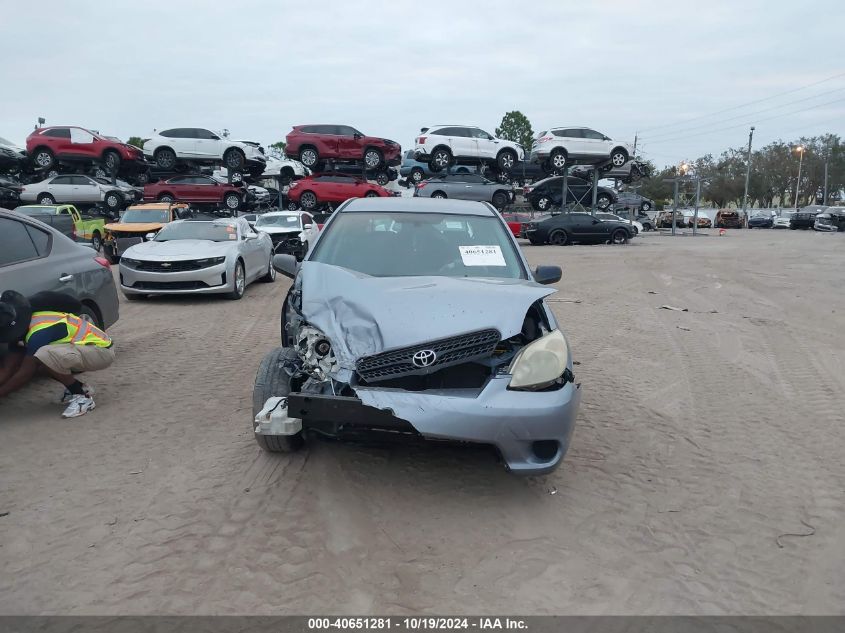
x: 636, y: 134
x: 747, y: 175
x: 798, y: 184
x: 824, y: 200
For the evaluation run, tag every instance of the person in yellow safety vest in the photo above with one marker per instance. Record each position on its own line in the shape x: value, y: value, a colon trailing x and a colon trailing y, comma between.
x: 53, y: 343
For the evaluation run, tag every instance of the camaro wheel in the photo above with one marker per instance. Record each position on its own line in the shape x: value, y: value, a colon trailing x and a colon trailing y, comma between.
x: 619, y: 236
x: 558, y: 238
x: 372, y: 158
x: 271, y: 380
x: 308, y: 157
x: 165, y: 158
x: 239, y: 282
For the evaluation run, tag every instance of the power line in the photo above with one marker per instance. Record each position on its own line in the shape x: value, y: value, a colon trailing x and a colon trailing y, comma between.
x: 754, y: 122
x: 740, y: 116
x: 774, y: 96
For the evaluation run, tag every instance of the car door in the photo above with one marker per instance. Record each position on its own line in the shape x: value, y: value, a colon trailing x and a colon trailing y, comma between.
x: 62, y: 189
x: 58, y: 140
x: 465, y: 142
x: 205, y: 189
x: 348, y: 146
x: 594, y: 143
x: 207, y: 144
x: 86, y: 189
x: 252, y: 250
x: 24, y: 262
x: 82, y: 143
x: 474, y: 187
x: 486, y: 145
x: 572, y: 140
x: 184, y: 142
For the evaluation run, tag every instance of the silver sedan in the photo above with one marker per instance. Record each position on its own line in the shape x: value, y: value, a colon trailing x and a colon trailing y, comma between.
x: 220, y: 256
x: 466, y: 187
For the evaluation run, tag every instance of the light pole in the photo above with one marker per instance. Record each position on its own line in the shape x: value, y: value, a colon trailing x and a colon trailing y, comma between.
x: 800, y: 150
x: 747, y: 175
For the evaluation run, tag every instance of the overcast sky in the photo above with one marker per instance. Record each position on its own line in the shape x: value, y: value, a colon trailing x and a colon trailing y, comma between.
x: 389, y: 68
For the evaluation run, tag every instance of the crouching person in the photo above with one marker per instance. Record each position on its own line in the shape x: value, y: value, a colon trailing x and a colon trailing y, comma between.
x: 52, y: 343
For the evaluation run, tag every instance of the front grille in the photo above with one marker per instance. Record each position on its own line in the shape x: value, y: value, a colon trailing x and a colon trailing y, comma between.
x: 171, y: 267
x: 169, y: 285
x: 449, y: 351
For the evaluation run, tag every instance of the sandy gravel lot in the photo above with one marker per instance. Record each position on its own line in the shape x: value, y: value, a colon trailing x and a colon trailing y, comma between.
x: 703, y: 437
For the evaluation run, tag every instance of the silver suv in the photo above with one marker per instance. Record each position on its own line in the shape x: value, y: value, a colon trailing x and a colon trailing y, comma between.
x: 562, y: 146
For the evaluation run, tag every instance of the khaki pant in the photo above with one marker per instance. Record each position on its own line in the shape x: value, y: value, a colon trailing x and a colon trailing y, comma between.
x: 67, y: 357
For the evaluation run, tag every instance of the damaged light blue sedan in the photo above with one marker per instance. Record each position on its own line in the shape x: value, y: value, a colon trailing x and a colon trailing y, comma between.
x: 419, y: 318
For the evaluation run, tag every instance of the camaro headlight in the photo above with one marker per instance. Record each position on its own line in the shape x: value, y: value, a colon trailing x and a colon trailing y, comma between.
x: 132, y: 263
x: 211, y: 261
x: 540, y: 363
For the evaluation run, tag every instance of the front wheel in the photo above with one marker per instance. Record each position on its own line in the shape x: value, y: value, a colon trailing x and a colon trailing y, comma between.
x: 440, y: 159
x: 619, y: 236
x: 559, y: 238
x: 618, y: 157
x: 500, y: 200
x: 273, y: 381
x: 238, y: 282
x: 234, y: 159
x: 308, y: 157
x: 372, y: 158
x: 270, y: 277
x: 165, y: 158
x: 506, y: 160
x: 112, y: 162
x: 308, y: 200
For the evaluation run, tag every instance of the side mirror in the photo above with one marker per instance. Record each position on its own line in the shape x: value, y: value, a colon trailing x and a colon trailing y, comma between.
x: 356, y: 136
x: 596, y: 220
x: 547, y: 274
x: 307, y: 227
x: 285, y: 264
x: 150, y: 236
x: 251, y: 236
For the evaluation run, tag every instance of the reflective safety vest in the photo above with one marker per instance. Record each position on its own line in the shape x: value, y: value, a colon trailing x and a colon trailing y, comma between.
x: 79, y: 331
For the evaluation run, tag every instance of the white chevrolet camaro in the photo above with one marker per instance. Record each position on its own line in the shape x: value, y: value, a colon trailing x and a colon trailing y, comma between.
x: 220, y: 256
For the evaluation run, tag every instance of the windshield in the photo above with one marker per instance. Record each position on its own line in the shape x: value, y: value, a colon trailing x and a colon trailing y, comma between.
x: 36, y: 210
x: 212, y: 231
x: 137, y: 216
x: 413, y: 244
x: 281, y: 221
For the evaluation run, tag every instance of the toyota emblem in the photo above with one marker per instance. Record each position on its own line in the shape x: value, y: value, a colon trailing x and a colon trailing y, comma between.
x: 424, y: 358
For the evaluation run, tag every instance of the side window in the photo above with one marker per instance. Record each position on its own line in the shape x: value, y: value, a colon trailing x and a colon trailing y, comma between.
x: 307, y: 219
x: 82, y: 180
x: 203, y: 180
x: 58, y: 132
x: 205, y: 134
x: 78, y: 135
x: 477, y: 133
x: 15, y: 243
x: 62, y: 180
x: 572, y: 133
x: 345, y: 130
x: 592, y: 134
x: 167, y: 133
x: 180, y: 180
x: 41, y: 240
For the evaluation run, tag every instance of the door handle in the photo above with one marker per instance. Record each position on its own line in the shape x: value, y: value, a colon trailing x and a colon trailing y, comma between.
x: 65, y: 278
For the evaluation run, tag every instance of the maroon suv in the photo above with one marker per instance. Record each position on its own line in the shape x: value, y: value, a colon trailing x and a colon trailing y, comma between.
x: 310, y: 144
x: 195, y: 189
x: 47, y: 145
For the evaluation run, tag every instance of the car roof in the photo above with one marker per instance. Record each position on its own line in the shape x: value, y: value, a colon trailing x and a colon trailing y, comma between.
x: 278, y: 213
x: 417, y: 205
x: 154, y: 206
x: 453, y: 125
x: 570, y: 127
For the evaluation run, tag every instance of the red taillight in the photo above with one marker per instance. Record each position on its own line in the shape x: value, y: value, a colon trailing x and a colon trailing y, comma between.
x: 102, y: 261
x: 421, y: 140
x: 421, y: 185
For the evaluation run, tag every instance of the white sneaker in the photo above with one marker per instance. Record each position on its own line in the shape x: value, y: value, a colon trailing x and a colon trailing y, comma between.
x: 67, y: 396
x: 79, y: 405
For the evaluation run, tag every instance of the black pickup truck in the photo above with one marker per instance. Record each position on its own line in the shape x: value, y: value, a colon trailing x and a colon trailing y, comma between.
x: 806, y: 216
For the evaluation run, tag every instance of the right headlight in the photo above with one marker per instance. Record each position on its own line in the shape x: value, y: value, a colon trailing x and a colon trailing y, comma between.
x: 540, y: 363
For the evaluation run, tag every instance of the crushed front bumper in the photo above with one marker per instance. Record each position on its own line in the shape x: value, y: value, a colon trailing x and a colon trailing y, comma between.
x: 531, y: 430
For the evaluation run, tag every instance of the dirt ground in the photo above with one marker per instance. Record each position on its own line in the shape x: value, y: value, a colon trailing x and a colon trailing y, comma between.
x: 706, y: 473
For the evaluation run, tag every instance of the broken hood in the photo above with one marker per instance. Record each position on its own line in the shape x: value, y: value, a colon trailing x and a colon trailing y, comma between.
x: 364, y: 315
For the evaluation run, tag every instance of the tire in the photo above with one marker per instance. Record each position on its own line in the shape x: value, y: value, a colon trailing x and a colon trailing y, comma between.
x: 619, y: 236
x: 308, y: 200
x: 372, y: 158
x: 371, y: 194
x: 270, y: 277
x: 645, y: 206
x: 97, y: 241
x: 165, y: 158
x: 417, y: 175
x: 90, y: 313
x: 232, y: 201
x: 557, y: 159
x: 166, y: 197
x: 308, y: 156
x: 238, y: 282
x: 46, y: 198
x: 544, y: 203
x: 234, y: 159
x: 506, y: 160
x: 534, y: 242
x: 618, y: 157
x: 113, y: 200
x: 603, y: 201
x: 292, y: 206
x: 111, y: 161
x: 559, y: 237
x: 271, y: 380
x: 382, y: 178
x: 647, y: 227
x: 43, y: 158
x: 500, y: 200
x: 440, y: 159
x: 439, y: 195
x: 143, y: 178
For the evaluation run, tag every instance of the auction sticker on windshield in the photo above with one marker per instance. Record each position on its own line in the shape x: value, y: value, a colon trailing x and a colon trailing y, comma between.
x: 482, y: 255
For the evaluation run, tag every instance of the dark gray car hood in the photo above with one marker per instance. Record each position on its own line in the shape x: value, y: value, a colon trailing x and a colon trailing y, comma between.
x: 365, y: 315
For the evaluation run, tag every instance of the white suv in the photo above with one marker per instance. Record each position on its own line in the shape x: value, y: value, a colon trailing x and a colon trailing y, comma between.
x: 442, y: 145
x: 203, y: 146
x: 562, y: 146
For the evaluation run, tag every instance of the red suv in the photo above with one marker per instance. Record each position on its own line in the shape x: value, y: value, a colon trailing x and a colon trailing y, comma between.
x: 313, y: 191
x: 47, y: 145
x: 196, y: 189
x: 309, y: 144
